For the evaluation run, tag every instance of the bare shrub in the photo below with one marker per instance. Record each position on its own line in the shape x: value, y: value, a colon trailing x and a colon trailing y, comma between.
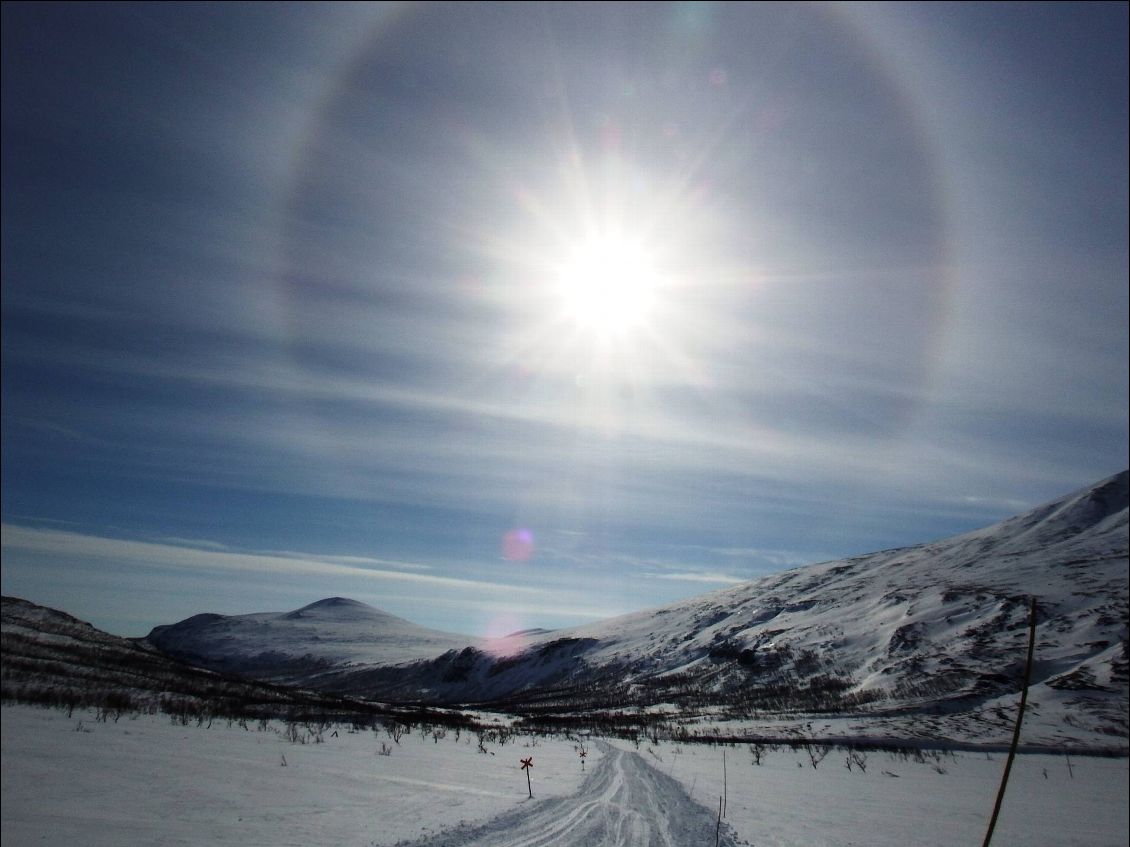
x: 816, y: 753
x: 758, y: 753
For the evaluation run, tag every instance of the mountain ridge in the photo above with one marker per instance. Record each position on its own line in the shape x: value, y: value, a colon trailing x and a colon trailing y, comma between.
x: 931, y: 629
x: 51, y: 658
x: 332, y: 632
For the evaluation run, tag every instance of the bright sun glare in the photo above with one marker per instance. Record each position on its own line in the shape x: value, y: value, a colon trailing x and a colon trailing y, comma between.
x: 608, y: 285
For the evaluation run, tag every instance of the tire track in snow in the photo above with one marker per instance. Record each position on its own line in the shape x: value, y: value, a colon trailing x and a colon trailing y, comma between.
x: 624, y: 802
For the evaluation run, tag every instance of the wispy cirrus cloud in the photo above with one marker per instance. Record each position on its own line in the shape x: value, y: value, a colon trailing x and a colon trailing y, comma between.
x: 696, y: 576
x: 15, y: 539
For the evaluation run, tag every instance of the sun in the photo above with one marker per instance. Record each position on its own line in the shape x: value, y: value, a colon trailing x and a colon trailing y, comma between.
x: 608, y: 285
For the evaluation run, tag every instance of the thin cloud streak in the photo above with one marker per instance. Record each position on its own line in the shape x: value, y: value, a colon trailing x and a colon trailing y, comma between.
x: 713, y: 578
x: 16, y: 538
x: 697, y: 431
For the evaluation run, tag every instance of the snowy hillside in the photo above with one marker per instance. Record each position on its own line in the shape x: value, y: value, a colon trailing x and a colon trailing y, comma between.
x: 297, y: 646
x: 940, y: 620
x: 934, y: 630
x: 51, y: 658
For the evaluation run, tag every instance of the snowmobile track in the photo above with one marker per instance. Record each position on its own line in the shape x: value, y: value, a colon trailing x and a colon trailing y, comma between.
x: 624, y: 802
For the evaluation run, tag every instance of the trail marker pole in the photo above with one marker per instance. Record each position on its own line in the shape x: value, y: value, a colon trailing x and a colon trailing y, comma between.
x: 1016, y: 729
x: 725, y: 785
x: 527, y: 764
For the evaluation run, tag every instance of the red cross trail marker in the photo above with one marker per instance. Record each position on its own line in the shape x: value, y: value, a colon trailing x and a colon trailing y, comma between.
x: 582, y: 754
x: 526, y: 765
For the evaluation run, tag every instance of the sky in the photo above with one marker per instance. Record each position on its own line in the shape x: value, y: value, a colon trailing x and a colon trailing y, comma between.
x: 511, y: 316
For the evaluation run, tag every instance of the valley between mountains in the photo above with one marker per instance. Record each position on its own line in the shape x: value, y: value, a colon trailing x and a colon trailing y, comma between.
x: 923, y: 644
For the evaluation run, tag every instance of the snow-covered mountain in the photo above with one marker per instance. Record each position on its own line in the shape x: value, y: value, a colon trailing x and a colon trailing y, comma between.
x: 52, y: 658
x: 939, y: 628
x: 296, y: 646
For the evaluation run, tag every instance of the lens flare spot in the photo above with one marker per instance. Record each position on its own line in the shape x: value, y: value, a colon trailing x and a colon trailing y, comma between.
x: 518, y: 545
x: 504, y: 636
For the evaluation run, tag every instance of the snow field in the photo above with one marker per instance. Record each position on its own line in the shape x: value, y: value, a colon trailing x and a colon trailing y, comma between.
x: 146, y: 781
x: 900, y: 801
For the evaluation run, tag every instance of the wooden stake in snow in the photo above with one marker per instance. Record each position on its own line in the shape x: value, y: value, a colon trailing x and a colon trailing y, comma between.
x: 1019, y: 718
x: 526, y: 765
x: 725, y: 789
x: 583, y: 752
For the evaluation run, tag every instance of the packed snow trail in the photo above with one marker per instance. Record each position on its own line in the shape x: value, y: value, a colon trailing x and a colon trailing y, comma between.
x: 624, y: 802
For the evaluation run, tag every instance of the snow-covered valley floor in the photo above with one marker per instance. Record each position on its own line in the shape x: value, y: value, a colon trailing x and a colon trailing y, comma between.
x: 146, y: 781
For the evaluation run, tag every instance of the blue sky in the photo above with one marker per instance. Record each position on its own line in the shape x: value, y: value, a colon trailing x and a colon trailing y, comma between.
x: 526, y: 315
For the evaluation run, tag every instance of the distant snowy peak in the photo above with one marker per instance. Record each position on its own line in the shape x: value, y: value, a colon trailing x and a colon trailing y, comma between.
x: 343, y: 609
x: 336, y: 604
x: 536, y: 632
x: 290, y: 646
x: 51, y: 658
